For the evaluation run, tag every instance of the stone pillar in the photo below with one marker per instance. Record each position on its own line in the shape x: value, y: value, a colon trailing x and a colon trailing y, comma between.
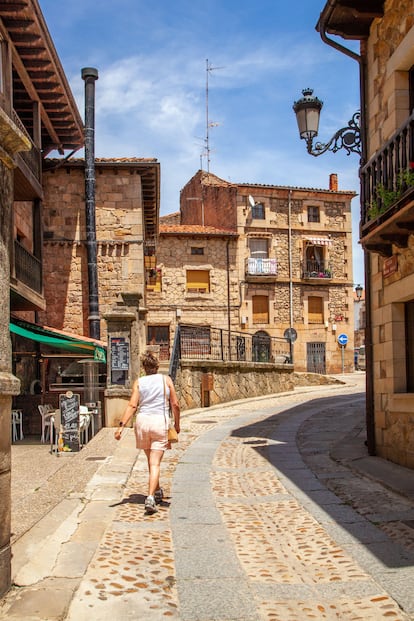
x: 124, y: 346
x: 9, y: 385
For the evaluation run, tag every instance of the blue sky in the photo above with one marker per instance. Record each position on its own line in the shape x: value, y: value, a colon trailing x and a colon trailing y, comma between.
x: 151, y: 92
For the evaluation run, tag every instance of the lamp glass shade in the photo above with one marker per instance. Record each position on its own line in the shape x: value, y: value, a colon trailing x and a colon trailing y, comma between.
x: 307, y: 112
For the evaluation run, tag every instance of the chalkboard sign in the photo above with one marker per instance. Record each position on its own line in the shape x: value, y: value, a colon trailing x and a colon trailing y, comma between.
x: 69, y: 405
x: 119, y: 354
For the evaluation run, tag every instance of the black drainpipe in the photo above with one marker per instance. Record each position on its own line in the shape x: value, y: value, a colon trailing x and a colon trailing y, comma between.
x: 89, y: 74
x: 369, y: 382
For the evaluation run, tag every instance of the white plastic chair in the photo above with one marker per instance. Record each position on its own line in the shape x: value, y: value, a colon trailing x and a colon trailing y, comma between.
x: 45, y: 412
x: 84, y: 422
x: 17, y: 425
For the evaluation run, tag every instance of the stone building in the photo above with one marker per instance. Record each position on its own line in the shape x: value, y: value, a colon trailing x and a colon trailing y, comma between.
x: 386, y: 62
x: 290, y: 266
x: 37, y: 114
x: 127, y: 205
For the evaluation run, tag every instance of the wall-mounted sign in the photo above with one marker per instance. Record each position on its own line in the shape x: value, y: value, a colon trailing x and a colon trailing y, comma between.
x: 390, y: 266
x: 119, y: 353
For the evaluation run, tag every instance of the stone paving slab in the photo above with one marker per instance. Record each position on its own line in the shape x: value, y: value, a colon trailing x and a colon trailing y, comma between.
x: 260, y: 522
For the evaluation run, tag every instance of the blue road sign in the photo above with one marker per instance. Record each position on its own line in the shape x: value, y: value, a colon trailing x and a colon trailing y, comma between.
x: 342, y: 339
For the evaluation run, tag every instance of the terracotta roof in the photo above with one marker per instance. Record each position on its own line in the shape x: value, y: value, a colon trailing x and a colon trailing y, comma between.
x: 194, y: 229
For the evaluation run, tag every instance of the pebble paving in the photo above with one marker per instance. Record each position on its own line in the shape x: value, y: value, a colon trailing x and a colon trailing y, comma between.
x: 247, y: 529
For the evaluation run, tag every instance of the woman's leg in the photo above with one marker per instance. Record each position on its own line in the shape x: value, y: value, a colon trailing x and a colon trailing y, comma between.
x: 154, y: 458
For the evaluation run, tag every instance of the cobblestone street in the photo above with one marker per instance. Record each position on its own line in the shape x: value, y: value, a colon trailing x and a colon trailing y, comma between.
x: 270, y: 513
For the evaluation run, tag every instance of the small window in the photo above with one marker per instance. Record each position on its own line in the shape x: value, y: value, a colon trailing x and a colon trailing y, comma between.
x: 260, y: 305
x: 315, y: 309
x: 195, y: 250
x: 198, y: 281
x: 258, y: 211
x: 313, y: 214
x: 258, y: 248
x: 154, y: 279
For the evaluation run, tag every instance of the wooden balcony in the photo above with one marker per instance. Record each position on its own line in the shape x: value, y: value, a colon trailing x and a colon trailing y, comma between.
x: 387, y: 193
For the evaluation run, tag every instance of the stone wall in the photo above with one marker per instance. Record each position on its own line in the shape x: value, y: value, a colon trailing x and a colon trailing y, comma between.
x: 229, y: 381
x: 119, y: 232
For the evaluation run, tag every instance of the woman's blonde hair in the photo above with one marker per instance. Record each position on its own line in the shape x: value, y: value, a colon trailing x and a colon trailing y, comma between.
x: 150, y: 362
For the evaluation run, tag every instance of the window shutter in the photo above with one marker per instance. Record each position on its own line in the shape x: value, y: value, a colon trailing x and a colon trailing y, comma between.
x: 315, y: 309
x: 198, y: 281
x: 260, y: 309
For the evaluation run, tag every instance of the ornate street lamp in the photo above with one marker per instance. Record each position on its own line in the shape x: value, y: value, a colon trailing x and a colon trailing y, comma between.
x: 307, y: 110
x: 358, y: 290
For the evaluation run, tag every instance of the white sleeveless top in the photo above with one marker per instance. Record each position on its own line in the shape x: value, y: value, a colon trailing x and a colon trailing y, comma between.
x: 151, y: 394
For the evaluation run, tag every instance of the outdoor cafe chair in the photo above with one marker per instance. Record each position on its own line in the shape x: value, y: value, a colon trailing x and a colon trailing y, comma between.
x: 17, y: 425
x: 45, y: 412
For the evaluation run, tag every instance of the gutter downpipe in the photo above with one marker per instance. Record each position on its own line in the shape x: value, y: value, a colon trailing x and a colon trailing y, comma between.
x: 90, y: 74
x: 369, y: 384
x: 290, y: 273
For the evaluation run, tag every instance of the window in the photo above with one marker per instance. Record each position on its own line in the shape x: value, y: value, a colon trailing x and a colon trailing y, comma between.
x: 160, y: 335
x: 313, y: 214
x: 260, y: 309
x: 195, y: 250
x: 258, y: 248
x: 154, y: 279
x: 315, y: 309
x: 258, y: 211
x: 409, y: 329
x: 198, y: 281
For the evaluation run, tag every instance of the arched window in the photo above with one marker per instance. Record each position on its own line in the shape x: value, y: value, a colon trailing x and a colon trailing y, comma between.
x: 261, y: 347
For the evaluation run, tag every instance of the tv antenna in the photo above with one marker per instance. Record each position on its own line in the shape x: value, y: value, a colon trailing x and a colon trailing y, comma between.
x: 209, y: 69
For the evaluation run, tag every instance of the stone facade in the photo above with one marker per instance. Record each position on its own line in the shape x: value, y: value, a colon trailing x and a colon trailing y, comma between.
x: 120, y: 241
x: 282, y: 230
x: 390, y: 57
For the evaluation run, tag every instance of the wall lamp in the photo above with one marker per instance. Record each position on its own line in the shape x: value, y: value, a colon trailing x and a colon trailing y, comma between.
x: 358, y: 291
x: 307, y: 110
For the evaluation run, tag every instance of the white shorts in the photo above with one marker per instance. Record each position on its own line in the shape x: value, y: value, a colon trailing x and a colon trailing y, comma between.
x: 151, y: 432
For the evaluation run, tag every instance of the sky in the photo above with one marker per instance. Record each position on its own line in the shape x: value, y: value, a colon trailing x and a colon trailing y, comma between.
x: 151, y: 95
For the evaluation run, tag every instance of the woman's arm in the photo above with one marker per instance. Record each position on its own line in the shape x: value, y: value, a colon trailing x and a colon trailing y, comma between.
x: 130, y: 410
x: 175, y: 406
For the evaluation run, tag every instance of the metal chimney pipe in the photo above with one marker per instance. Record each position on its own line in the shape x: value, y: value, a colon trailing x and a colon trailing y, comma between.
x: 89, y: 74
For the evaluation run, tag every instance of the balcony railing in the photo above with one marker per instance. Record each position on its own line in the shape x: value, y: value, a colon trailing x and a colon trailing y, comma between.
x: 28, y: 269
x: 387, y: 180
x: 316, y: 269
x: 261, y: 267
x: 206, y: 343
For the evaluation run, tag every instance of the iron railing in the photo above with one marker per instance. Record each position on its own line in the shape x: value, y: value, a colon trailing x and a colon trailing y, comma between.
x: 31, y: 158
x: 27, y: 268
x: 388, y: 177
x: 261, y: 267
x: 316, y: 269
x: 206, y: 343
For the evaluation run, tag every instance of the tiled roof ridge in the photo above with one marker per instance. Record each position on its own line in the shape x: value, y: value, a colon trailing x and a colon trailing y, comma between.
x: 192, y: 229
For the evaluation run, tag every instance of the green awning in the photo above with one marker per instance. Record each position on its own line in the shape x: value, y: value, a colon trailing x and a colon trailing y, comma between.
x: 59, y: 340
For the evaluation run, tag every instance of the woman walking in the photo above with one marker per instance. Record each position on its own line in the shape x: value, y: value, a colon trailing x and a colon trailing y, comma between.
x: 152, y: 393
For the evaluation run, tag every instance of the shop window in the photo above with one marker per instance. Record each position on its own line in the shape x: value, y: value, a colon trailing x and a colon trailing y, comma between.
x: 260, y: 304
x: 198, y: 281
x: 313, y: 214
x: 315, y: 309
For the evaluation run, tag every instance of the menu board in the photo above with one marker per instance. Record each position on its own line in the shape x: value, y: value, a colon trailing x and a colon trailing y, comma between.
x: 69, y: 405
x: 119, y: 354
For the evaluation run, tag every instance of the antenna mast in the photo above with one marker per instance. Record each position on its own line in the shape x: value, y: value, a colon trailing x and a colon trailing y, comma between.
x: 209, y: 124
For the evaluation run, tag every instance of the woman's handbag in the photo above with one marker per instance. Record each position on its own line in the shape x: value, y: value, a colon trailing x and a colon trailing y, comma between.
x: 172, y: 433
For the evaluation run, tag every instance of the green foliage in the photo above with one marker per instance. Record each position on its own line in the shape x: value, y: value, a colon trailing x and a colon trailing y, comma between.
x: 387, y: 197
